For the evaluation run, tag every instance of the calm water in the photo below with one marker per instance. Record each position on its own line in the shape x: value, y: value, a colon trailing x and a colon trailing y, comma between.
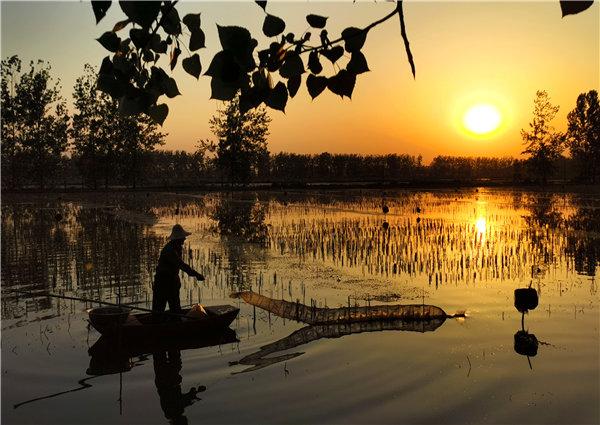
x: 459, y: 250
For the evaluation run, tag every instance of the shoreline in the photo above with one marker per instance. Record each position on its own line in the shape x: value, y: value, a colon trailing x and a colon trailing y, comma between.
x: 558, y: 187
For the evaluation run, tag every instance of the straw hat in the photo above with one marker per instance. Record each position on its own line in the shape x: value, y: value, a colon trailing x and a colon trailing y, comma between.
x: 178, y: 233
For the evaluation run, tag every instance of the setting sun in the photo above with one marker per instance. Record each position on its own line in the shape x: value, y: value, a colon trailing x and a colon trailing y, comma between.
x: 482, y: 119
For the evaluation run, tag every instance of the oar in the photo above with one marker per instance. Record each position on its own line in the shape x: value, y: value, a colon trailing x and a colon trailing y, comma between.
x: 65, y: 297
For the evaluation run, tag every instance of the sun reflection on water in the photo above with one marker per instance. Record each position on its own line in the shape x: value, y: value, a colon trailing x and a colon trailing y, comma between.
x: 480, y: 225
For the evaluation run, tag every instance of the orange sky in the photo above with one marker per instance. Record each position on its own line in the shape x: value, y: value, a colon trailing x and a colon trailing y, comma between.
x: 466, y: 53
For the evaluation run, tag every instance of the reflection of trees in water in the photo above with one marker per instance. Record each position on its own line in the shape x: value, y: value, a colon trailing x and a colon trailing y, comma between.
x: 62, y: 247
x: 241, y: 224
x: 241, y: 218
x: 584, y: 245
x: 544, y: 212
x: 582, y: 232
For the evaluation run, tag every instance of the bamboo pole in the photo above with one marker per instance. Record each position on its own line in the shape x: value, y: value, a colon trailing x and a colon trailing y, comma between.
x: 64, y: 297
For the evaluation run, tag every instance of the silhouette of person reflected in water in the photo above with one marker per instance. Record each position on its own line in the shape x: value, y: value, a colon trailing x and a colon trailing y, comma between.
x: 167, y: 378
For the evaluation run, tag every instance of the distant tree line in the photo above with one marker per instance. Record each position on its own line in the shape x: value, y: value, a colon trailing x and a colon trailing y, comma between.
x: 44, y: 146
x: 168, y: 168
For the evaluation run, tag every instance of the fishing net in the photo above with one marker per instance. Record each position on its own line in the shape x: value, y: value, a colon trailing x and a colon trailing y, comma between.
x: 315, y: 315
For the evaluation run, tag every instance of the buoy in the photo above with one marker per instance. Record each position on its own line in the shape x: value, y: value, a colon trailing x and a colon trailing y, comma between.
x: 526, y: 299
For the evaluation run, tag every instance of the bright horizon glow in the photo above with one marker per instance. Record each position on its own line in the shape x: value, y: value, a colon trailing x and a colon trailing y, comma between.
x: 482, y: 119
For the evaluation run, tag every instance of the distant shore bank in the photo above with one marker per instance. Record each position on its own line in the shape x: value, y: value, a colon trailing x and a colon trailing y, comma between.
x: 554, y: 186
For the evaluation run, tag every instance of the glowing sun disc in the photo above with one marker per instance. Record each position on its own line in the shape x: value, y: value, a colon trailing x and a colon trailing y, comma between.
x: 482, y: 119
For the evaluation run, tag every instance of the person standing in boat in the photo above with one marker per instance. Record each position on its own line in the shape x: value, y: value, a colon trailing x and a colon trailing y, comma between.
x: 165, y: 289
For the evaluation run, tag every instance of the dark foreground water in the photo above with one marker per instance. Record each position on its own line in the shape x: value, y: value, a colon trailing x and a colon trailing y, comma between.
x: 459, y: 250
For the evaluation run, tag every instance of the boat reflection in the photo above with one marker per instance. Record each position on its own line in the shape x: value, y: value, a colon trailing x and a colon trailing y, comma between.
x: 109, y: 356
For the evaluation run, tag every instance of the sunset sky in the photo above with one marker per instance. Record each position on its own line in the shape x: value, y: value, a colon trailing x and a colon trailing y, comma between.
x: 466, y: 54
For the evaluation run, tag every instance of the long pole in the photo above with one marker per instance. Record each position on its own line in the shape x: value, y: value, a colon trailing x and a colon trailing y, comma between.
x: 65, y: 297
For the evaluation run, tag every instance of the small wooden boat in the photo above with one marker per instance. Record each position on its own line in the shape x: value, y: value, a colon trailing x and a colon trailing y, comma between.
x: 118, y: 322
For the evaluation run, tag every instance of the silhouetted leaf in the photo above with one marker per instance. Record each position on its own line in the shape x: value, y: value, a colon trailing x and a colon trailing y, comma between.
x: 260, y: 79
x: 147, y: 55
x: 221, y: 90
x: 158, y: 113
x: 324, y: 38
x: 262, y: 4
x: 405, y: 38
x: 238, y: 41
x: 192, y: 21
x: 100, y: 8
x: 334, y: 53
x: 313, y: 62
x: 143, y: 13
x: 234, y: 38
x: 120, y: 25
x: 573, y: 7
x: 170, y: 21
x: 106, y: 67
x: 294, y: 84
x: 192, y: 65
x: 225, y: 68
x: 251, y: 98
x: 292, y: 66
x: 170, y: 87
x: 158, y: 45
x: 354, y: 39
x: 108, y: 84
x: 315, y: 85
x: 139, y: 37
x: 110, y: 41
x: 273, y: 26
x: 123, y: 64
x: 197, y: 40
x: 130, y: 106
x: 316, y: 21
x: 174, y: 55
x: 357, y: 63
x: 278, y: 97
x: 342, y: 83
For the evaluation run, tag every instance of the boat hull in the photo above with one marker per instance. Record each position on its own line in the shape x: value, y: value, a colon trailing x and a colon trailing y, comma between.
x: 151, y: 327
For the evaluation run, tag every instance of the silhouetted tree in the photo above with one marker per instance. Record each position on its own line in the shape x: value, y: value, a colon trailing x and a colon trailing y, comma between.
x: 583, y: 135
x: 242, y: 140
x: 105, y: 142
x: 93, y: 129
x: 543, y: 144
x: 34, y: 122
x: 137, y: 135
x: 134, y: 77
x: 12, y: 149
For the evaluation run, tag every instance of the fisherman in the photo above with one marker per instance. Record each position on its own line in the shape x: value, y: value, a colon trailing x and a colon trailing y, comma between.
x: 166, y: 280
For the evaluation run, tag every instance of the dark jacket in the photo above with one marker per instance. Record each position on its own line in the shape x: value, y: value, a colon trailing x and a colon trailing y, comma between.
x: 169, y: 264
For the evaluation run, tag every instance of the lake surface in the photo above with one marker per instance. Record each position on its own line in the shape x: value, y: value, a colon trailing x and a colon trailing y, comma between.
x: 462, y: 250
